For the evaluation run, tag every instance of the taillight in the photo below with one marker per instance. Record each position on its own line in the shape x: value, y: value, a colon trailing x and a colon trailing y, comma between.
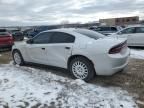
x: 11, y: 37
x: 118, y: 48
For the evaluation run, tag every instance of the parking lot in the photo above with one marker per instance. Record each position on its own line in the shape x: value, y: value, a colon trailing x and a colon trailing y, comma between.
x: 131, y: 79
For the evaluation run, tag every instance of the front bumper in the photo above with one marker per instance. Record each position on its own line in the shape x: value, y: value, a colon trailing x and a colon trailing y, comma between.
x: 6, y: 46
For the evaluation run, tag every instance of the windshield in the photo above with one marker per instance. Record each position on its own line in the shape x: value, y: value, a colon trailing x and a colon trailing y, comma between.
x: 89, y: 33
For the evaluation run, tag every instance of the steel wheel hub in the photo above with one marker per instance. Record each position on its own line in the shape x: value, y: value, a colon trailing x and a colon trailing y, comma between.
x: 17, y: 58
x: 80, y: 70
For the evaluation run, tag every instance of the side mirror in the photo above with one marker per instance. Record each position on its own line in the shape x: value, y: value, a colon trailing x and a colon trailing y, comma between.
x: 30, y: 41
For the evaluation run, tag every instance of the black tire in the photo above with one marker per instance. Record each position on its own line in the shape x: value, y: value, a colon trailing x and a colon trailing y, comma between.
x: 88, y: 64
x: 21, y: 58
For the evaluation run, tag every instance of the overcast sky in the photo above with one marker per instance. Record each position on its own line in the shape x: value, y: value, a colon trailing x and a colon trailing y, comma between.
x: 37, y: 12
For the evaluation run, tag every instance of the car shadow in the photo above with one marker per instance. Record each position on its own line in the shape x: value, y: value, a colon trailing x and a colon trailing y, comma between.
x: 97, y: 80
x: 55, y: 70
x: 105, y: 81
x: 136, y: 47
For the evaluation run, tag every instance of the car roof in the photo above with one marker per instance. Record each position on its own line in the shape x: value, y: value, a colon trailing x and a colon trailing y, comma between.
x: 71, y: 30
x: 67, y: 30
x: 62, y: 30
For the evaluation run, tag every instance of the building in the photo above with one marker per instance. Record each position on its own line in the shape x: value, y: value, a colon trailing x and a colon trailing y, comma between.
x: 120, y: 21
x: 78, y: 25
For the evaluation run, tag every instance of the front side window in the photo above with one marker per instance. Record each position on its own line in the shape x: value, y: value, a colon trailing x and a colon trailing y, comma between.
x: 140, y: 30
x: 128, y: 31
x: 60, y: 37
x: 42, y: 38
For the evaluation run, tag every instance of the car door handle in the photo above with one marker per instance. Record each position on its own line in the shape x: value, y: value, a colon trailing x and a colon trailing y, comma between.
x: 67, y: 48
x: 43, y: 48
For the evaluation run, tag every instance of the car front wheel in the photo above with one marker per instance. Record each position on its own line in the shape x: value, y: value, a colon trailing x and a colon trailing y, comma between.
x: 82, y: 68
x: 17, y: 57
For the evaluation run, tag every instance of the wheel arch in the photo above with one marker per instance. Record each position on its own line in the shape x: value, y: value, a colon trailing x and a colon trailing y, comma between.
x: 75, y: 56
x: 20, y: 54
x: 16, y: 50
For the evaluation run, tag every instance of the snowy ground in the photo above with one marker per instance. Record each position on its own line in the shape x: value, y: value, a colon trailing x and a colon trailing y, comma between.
x: 24, y: 87
x: 137, y: 53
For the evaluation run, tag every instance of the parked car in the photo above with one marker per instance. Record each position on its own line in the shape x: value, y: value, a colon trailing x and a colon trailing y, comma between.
x: 134, y: 35
x: 84, y: 52
x: 17, y: 35
x: 25, y: 32
x: 39, y: 29
x: 6, y: 39
x: 106, y: 30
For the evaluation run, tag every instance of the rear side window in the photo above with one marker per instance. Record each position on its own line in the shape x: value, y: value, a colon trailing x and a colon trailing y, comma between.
x: 4, y: 33
x: 42, y: 38
x: 60, y: 37
x: 140, y: 30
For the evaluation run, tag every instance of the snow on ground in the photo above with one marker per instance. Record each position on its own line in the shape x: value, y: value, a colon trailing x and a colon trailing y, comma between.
x: 137, y: 53
x: 25, y: 87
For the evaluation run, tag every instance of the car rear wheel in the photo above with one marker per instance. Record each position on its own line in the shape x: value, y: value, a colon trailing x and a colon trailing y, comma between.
x: 17, y: 57
x: 82, y: 68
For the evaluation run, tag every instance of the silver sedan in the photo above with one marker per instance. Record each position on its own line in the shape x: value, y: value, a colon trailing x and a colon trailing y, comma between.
x: 84, y: 52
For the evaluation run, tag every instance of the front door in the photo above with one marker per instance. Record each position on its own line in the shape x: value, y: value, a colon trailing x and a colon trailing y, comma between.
x: 37, y: 50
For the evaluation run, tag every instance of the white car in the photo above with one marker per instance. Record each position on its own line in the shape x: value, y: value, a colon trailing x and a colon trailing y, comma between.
x: 84, y: 52
x: 134, y: 35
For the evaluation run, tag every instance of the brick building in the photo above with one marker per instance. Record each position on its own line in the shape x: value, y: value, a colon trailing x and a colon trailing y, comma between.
x: 120, y: 21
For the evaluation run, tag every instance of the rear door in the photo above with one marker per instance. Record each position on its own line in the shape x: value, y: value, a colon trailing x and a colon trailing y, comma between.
x: 60, y: 49
x: 140, y: 36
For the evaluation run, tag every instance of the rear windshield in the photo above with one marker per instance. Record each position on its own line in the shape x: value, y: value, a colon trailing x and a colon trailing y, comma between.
x: 3, y: 33
x: 3, y: 30
x: 89, y: 33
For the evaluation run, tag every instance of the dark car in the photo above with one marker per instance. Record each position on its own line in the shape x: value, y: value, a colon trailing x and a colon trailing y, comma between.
x: 39, y: 29
x: 26, y: 32
x: 17, y: 35
x: 106, y: 30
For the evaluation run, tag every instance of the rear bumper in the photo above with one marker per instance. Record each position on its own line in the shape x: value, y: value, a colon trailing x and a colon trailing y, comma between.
x: 110, y: 64
x: 119, y: 68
